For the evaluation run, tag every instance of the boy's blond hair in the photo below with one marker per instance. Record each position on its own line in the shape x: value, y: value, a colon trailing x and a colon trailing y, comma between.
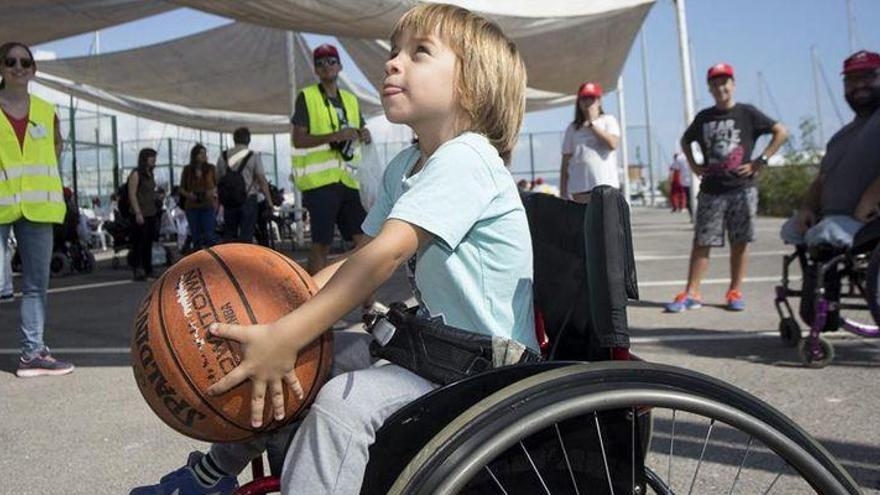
x: 491, y: 75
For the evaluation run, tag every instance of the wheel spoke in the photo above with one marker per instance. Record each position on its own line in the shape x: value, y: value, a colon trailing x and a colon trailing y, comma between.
x: 727, y: 421
x: 671, y: 452
x: 632, y: 464
x: 534, y: 467
x: 773, y: 483
x: 741, y: 464
x: 604, y: 455
x: 567, y: 461
x: 495, y: 479
x: 702, y: 453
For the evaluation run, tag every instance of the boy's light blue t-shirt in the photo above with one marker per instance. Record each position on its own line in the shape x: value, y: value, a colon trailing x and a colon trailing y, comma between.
x: 476, y: 274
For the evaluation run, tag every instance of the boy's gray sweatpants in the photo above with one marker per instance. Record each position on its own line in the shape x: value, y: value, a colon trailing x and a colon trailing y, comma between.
x: 331, y: 447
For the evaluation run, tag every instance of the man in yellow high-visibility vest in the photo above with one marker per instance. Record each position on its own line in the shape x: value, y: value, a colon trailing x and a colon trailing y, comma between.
x: 31, y: 199
x: 327, y: 125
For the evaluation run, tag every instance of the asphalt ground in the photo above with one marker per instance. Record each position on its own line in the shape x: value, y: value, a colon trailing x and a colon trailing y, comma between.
x: 92, y: 433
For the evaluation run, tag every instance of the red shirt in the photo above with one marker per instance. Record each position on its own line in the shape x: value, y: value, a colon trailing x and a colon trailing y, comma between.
x: 20, y: 126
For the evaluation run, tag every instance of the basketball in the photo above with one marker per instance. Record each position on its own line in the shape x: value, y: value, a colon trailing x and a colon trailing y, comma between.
x: 175, y: 359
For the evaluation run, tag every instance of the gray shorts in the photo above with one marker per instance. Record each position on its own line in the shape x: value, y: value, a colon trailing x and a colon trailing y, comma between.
x: 733, y: 211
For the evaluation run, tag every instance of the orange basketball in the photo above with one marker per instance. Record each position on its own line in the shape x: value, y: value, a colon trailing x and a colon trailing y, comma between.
x: 175, y: 359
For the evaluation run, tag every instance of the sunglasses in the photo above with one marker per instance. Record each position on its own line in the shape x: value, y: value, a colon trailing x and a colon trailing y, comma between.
x: 865, y: 75
x: 326, y: 62
x: 25, y: 63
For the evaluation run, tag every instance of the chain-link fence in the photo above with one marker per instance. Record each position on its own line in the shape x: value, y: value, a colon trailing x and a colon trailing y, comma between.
x: 89, y: 158
x: 102, y: 163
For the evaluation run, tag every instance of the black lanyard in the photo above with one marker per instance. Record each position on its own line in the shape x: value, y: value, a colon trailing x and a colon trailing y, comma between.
x: 331, y: 108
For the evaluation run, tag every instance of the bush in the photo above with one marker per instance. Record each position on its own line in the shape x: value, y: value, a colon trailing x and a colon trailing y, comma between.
x: 665, y: 188
x: 781, y: 189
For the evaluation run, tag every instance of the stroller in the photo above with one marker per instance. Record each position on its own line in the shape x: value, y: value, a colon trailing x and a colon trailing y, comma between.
x: 70, y: 254
x: 120, y: 230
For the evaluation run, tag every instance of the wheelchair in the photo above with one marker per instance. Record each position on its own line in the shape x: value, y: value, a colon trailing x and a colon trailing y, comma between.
x: 591, y: 418
x: 835, y: 280
x: 70, y: 254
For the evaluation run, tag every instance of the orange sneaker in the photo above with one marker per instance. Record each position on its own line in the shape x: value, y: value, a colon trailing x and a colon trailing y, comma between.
x: 735, y: 301
x: 684, y: 301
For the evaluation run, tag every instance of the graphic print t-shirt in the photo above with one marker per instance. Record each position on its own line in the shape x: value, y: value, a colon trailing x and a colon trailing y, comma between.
x: 727, y: 139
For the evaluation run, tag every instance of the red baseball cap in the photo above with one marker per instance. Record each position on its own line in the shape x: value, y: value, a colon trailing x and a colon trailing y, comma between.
x: 590, y: 89
x: 861, y: 60
x: 325, y: 50
x: 720, y: 69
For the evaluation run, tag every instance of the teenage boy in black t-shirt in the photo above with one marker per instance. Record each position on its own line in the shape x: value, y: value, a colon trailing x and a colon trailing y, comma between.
x: 728, y: 200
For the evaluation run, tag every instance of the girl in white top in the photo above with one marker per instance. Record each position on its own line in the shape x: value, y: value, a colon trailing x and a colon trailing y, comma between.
x: 588, y: 156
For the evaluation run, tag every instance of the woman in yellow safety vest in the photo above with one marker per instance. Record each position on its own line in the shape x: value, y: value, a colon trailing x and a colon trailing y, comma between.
x: 31, y: 198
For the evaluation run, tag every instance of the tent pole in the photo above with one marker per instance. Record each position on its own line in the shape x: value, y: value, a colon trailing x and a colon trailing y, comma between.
x: 531, y: 156
x: 819, y: 121
x: 688, y: 86
x: 98, y: 123
x: 850, y: 28
x: 115, y: 135
x: 73, y: 149
x: 170, y: 167
x: 98, y: 156
x: 647, y: 117
x: 275, y: 157
x: 624, y: 159
x: 291, y: 84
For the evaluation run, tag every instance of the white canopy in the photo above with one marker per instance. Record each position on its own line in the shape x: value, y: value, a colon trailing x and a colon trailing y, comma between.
x: 196, y: 118
x: 233, y: 68
x: 563, y: 42
x: 238, y: 72
x: 38, y: 21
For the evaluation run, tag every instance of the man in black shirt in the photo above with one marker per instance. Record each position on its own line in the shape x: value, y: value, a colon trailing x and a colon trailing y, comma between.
x: 728, y: 200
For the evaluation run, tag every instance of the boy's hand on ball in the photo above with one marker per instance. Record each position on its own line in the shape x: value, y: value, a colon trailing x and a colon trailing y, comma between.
x: 266, y: 363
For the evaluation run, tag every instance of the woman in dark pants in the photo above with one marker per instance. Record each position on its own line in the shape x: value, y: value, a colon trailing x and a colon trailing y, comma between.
x: 142, y: 195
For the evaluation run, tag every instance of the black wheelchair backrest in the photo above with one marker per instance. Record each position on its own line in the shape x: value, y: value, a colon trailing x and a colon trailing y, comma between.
x: 584, y: 272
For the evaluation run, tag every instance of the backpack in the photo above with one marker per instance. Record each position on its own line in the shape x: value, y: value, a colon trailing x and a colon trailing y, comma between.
x: 231, y: 188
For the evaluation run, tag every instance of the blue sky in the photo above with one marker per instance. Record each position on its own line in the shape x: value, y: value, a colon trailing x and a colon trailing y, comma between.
x: 770, y: 36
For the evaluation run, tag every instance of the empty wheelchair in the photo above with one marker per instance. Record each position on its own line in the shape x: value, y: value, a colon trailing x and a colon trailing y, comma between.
x: 590, y: 418
x: 839, y: 290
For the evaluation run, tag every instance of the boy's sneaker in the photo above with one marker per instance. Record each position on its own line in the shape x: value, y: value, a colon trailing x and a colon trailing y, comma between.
x: 42, y: 365
x: 735, y: 301
x: 684, y: 301
x: 184, y: 482
x: 4, y: 298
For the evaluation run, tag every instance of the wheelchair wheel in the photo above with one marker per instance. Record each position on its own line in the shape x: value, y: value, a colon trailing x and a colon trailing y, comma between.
x: 709, y: 437
x: 88, y: 261
x: 789, y: 331
x: 872, y: 289
x: 821, y: 358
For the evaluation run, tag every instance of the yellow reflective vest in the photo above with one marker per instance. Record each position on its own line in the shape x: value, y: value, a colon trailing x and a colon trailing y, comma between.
x: 30, y: 183
x: 322, y: 165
